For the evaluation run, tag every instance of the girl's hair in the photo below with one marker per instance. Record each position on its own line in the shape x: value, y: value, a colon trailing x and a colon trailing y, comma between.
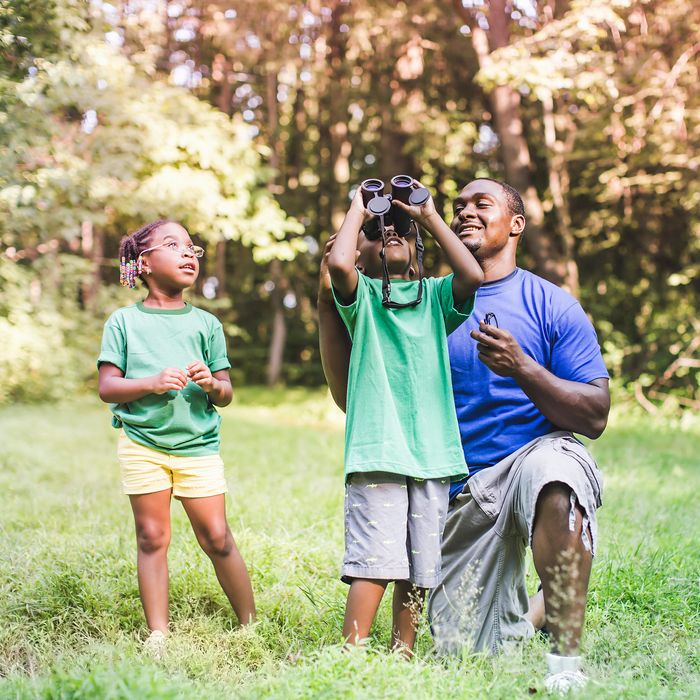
x: 130, y: 250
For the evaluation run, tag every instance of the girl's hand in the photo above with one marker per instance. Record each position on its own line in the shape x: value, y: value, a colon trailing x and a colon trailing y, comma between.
x: 421, y: 213
x: 170, y: 379
x: 201, y: 375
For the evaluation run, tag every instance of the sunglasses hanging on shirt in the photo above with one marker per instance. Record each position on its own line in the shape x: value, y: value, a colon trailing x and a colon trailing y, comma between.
x: 386, y: 213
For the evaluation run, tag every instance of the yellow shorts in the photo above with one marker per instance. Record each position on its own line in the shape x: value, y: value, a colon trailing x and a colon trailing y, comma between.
x: 144, y: 470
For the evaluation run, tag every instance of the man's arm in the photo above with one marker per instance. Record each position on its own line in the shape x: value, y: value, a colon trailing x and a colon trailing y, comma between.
x: 334, y: 339
x: 581, y: 408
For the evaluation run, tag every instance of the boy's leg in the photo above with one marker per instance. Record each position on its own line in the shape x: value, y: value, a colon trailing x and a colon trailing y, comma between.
x: 361, y: 608
x: 376, y: 508
x: 407, y: 608
x: 208, y: 518
x: 152, y: 521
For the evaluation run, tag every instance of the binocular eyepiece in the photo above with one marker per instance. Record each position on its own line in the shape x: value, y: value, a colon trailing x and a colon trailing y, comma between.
x: 382, y: 205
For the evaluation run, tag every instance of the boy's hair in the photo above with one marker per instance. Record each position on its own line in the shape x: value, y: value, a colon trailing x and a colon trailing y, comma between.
x: 130, y: 249
x: 513, y: 198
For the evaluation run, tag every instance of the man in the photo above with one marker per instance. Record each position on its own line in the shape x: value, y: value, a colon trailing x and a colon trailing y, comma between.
x: 526, y: 373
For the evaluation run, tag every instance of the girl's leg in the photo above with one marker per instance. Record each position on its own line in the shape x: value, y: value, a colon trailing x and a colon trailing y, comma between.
x: 208, y: 518
x: 407, y: 606
x: 363, y: 601
x: 152, y: 520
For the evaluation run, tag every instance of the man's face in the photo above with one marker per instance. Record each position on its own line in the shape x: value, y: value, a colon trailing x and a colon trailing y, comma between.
x: 482, y: 219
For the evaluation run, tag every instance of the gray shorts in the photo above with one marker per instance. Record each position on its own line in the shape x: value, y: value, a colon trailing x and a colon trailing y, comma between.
x: 482, y: 599
x: 393, y: 527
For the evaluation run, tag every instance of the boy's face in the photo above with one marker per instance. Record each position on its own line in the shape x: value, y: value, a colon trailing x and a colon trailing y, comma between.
x: 399, y: 252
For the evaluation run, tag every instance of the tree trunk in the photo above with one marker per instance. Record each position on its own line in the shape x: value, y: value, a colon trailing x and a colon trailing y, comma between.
x: 278, y: 336
x: 547, y: 252
x: 220, y: 269
x: 92, y: 244
x: 278, y: 333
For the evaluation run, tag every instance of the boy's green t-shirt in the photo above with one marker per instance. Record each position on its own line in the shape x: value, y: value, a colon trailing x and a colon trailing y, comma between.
x: 143, y: 341
x: 400, y: 409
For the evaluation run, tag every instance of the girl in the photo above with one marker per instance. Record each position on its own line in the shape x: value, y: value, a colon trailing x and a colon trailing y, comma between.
x: 163, y: 367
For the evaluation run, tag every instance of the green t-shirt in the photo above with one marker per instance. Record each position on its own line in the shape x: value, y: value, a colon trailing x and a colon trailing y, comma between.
x: 400, y: 409
x: 143, y: 341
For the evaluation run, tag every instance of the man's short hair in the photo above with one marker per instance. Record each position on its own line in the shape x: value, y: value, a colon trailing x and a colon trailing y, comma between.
x: 513, y: 198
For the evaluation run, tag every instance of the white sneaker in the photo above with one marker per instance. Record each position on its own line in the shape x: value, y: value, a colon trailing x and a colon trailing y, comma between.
x: 564, y: 674
x: 154, y: 646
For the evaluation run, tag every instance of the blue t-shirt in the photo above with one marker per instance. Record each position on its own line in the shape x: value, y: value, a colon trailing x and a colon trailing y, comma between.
x: 495, y: 416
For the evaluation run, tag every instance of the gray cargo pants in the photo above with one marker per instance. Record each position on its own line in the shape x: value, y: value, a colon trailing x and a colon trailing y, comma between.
x: 482, y: 599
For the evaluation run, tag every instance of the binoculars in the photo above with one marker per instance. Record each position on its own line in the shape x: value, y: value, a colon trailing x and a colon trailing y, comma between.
x: 382, y: 205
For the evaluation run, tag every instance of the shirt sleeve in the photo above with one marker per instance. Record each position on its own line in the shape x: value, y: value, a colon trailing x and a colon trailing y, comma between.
x: 348, y: 312
x: 217, y: 358
x: 113, y: 348
x: 576, y: 354
x: 453, y: 314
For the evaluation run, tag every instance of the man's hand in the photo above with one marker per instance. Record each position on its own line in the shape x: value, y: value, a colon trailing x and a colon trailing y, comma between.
x: 324, y: 280
x: 170, y: 379
x: 499, y: 350
x: 201, y: 375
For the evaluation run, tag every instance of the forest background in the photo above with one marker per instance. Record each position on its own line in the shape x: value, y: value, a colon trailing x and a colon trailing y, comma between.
x: 252, y: 123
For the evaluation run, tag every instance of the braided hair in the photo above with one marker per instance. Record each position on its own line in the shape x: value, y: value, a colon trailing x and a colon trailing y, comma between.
x: 130, y: 261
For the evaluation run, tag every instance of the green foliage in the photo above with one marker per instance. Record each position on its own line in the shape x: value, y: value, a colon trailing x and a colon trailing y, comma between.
x: 340, y: 92
x: 48, y: 339
x: 150, y: 150
x: 71, y: 622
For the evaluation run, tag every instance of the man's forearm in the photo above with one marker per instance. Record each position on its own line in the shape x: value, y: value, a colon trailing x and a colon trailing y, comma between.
x: 335, y: 346
x: 581, y: 408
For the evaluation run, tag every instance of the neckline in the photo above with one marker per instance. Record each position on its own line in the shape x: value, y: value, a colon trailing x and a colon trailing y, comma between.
x: 496, y: 285
x: 164, y: 312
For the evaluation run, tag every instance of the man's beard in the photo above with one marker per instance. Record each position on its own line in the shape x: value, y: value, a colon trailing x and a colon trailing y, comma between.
x: 473, y: 248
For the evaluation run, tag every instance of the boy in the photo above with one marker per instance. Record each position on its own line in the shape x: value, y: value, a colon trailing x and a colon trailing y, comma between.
x: 402, y: 443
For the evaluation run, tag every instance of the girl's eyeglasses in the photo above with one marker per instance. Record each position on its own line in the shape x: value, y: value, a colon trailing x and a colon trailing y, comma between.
x: 195, y: 250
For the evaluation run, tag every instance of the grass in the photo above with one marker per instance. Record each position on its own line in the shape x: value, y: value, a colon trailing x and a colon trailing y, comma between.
x: 71, y: 621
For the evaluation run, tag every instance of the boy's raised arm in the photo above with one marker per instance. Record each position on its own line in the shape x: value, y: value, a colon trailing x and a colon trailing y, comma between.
x: 343, y: 255
x: 468, y: 274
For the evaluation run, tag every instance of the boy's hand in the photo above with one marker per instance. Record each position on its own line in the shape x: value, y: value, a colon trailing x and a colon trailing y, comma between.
x: 170, y: 379
x: 201, y: 375
x: 421, y: 213
x: 359, y: 206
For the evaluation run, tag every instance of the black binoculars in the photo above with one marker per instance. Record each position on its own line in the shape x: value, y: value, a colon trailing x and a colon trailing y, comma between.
x: 381, y: 205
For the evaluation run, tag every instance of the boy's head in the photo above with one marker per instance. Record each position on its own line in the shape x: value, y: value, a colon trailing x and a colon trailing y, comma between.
x: 161, y: 253
x: 400, y: 254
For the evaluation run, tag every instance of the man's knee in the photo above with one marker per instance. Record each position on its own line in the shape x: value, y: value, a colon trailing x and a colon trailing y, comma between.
x: 553, y: 503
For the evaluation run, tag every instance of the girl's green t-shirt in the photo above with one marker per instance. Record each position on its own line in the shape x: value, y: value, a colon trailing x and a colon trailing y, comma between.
x: 400, y: 408
x: 141, y: 342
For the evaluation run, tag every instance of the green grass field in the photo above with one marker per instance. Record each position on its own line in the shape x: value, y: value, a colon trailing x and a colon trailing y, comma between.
x: 71, y: 621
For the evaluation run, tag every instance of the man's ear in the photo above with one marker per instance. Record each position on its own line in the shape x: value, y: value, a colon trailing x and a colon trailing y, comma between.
x: 517, y: 225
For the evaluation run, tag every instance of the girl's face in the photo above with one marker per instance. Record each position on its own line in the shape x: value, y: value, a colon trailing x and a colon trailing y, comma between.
x: 170, y: 261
